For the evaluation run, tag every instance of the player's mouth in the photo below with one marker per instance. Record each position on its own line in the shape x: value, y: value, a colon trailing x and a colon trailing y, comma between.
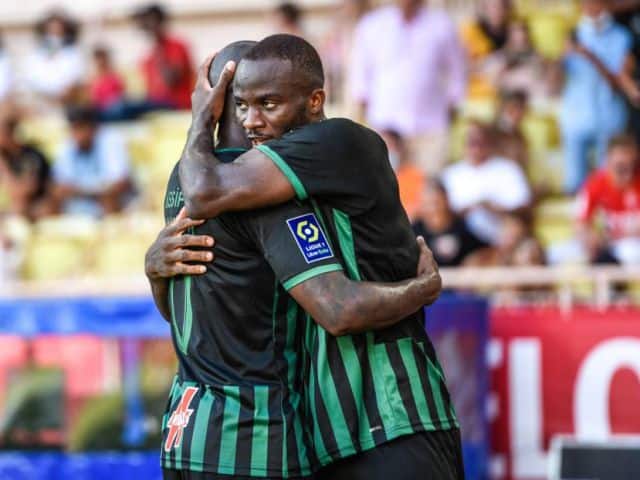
x: 258, y: 139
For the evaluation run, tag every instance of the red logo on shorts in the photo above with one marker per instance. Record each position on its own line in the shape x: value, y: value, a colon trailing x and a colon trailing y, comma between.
x: 179, y: 420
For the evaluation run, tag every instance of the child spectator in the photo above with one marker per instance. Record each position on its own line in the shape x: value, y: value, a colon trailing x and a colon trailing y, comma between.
x: 106, y: 87
x: 410, y: 178
x: 445, y: 233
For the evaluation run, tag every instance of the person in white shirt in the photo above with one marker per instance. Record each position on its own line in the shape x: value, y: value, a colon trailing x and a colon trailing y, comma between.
x: 91, y: 174
x: 485, y: 188
x: 56, y: 68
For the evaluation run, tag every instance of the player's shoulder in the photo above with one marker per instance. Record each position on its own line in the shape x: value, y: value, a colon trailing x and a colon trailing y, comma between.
x: 341, y: 128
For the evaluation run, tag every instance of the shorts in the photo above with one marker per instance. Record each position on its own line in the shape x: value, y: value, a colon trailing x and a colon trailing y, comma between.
x: 427, y: 455
x: 170, y: 474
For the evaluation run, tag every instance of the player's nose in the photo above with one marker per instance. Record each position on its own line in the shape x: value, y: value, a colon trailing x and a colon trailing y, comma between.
x: 253, y: 119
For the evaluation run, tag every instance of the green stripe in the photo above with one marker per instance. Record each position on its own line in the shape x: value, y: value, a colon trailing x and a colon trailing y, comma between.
x: 434, y: 380
x: 345, y: 239
x: 331, y: 398
x: 171, y: 304
x: 229, y: 434
x: 405, y: 345
x: 314, y: 272
x: 229, y: 150
x: 182, y: 338
x: 354, y: 374
x: 297, y: 185
x: 260, y: 437
x: 200, y: 430
x: 311, y: 331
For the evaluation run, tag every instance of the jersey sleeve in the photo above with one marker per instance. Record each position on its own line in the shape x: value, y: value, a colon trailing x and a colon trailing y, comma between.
x: 294, y: 243
x: 331, y: 159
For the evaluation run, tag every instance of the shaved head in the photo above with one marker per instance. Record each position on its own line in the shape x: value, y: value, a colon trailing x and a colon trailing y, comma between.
x: 233, y: 52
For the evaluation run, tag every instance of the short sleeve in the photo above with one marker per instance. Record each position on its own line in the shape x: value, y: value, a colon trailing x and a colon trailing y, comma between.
x: 294, y: 243
x: 115, y: 157
x: 334, y: 158
x: 63, y: 166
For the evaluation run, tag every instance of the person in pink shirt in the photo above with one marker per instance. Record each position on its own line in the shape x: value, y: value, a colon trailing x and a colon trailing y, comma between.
x: 408, y: 75
x: 106, y: 88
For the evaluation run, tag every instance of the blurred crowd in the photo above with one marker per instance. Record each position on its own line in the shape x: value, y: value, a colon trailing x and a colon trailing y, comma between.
x: 514, y: 134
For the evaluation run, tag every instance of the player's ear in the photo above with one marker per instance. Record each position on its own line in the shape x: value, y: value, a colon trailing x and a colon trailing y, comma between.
x: 316, y: 101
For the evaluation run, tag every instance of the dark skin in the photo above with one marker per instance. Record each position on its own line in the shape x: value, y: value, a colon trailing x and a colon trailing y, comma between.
x: 340, y: 305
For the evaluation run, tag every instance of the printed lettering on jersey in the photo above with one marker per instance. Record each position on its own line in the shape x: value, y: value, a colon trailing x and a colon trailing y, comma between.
x: 310, y: 238
x: 179, y: 420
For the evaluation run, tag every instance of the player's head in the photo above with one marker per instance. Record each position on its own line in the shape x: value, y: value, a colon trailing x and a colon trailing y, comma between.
x: 278, y: 86
x: 622, y: 160
x: 230, y: 132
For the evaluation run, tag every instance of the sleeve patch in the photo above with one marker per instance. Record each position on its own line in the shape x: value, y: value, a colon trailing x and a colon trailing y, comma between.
x: 310, y: 238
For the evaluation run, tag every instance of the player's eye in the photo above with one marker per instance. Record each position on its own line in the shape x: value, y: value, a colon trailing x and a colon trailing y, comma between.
x: 269, y: 105
x: 241, y: 106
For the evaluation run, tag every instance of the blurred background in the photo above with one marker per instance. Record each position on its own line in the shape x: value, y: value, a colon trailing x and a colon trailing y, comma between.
x: 512, y: 127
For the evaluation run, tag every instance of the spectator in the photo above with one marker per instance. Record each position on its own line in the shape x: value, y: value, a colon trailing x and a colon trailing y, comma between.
x: 481, y: 36
x: 6, y: 73
x: 517, y: 66
x: 411, y: 81
x: 106, y: 87
x: 56, y: 69
x: 92, y: 172
x: 287, y: 19
x: 24, y: 171
x: 445, y: 233
x: 510, y: 140
x: 410, y: 178
x: 614, y: 192
x: 484, y: 188
x: 167, y: 69
x: 337, y: 46
x: 592, y: 110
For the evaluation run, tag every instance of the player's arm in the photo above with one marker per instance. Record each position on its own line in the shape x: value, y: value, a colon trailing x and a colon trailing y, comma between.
x: 209, y: 186
x: 170, y: 255
x: 343, y: 306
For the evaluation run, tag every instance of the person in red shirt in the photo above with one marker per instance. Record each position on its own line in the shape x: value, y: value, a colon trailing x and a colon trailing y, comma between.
x: 167, y: 69
x: 106, y: 87
x: 613, y: 192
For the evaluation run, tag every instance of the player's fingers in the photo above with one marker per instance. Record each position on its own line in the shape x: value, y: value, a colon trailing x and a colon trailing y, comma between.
x: 203, y: 71
x: 186, y: 269
x: 194, y: 255
x: 194, y: 241
x: 422, y: 244
x: 182, y: 225
x: 225, y: 76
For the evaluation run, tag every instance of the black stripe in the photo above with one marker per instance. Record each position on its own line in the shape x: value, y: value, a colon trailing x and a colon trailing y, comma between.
x: 171, y: 456
x: 447, y: 402
x: 245, y: 428
x: 274, y: 450
x: 404, y: 386
x: 214, y: 433
x: 369, y: 392
x: 303, y: 366
x: 421, y: 362
x: 343, y: 388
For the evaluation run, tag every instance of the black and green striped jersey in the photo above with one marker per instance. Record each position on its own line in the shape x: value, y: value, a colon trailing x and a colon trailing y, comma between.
x: 362, y: 390
x: 236, y: 406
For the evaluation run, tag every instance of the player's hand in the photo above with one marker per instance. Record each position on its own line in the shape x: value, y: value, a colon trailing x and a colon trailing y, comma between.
x: 169, y: 254
x: 428, y: 273
x: 426, y: 262
x: 207, y: 101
